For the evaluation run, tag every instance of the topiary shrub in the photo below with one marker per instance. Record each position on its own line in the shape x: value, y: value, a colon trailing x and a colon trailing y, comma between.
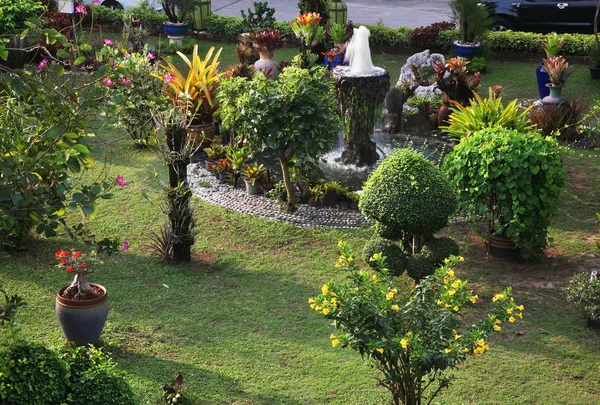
x: 94, y: 379
x: 408, y: 194
x: 439, y: 249
x: 395, y: 257
x: 32, y: 374
x: 418, y: 267
x: 388, y: 232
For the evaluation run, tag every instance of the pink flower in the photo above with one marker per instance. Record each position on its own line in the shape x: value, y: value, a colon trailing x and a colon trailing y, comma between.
x: 125, y: 245
x: 168, y: 78
x: 125, y: 81
x: 108, y: 41
x: 121, y: 181
x: 151, y: 56
x: 94, y: 2
x: 81, y: 9
x: 43, y: 64
x: 107, y: 81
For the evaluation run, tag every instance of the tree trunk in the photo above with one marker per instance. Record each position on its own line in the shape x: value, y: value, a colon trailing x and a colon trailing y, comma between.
x: 289, y: 187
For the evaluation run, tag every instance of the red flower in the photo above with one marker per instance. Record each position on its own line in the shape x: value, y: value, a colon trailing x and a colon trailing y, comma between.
x: 70, y: 269
x: 58, y: 254
x: 83, y: 266
x: 63, y: 260
x: 77, y: 254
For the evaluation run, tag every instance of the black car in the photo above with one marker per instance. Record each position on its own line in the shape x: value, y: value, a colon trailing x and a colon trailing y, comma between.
x: 543, y: 15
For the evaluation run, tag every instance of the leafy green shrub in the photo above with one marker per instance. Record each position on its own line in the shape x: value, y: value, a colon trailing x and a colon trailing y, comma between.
x: 388, y: 37
x: 105, y: 15
x: 486, y: 113
x: 414, y: 339
x: 94, y: 379
x: 477, y: 64
x: 14, y: 13
x: 410, y: 193
x: 514, y: 177
x: 584, y: 291
x: 187, y: 46
x: 150, y: 18
x: 388, y: 232
x: 439, y: 249
x: 32, y: 374
x: 419, y: 266
x: 529, y: 42
x: 395, y: 258
x: 224, y: 25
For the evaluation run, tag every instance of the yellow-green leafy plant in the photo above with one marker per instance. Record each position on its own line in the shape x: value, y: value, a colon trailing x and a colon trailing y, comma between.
x: 197, y: 87
x: 483, y: 113
x: 552, y: 44
x: 253, y: 172
x: 414, y: 338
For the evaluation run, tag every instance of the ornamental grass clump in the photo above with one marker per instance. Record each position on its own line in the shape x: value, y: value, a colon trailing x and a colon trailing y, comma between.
x: 414, y: 339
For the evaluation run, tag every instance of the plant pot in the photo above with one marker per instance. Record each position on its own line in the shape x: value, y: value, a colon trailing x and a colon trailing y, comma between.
x: 443, y: 114
x: 175, y: 30
x: 202, y: 134
x: 251, y: 189
x: 554, y: 98
x: 330, y: 199
x: 595, y: 72
x: 542, y: 80
x: 466, y: 50
x: 502, y: 248
x: 266, y: 65
x: 82, y: 321
x: 313, y: 203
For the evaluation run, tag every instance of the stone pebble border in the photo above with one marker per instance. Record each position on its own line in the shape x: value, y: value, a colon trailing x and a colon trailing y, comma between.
x: 226, y: 196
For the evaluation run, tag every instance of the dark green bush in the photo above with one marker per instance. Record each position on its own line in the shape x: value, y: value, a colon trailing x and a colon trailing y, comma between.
x: 410, y: 193
x: 94, y: 380
x: 32, y: 374
x: 418, y: 267
x: 105, y: 16
x: 438, y: 249
x: 388, y: 232
x: 14, y: 13
x: 149, y: 17
x: 396, y: 259
x: 224, y: 25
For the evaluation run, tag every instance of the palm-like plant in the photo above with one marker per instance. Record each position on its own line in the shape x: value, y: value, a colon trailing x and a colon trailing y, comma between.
x: 558, y: 69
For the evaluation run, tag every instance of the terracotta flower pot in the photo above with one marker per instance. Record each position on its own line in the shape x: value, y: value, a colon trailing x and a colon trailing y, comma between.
x: 82, y: 321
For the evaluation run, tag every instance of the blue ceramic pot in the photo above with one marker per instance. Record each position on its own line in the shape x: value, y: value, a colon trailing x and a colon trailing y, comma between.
x: 178, y: 30
x: 466, y: 52
x: 82, y: 321
x: 542, y: 80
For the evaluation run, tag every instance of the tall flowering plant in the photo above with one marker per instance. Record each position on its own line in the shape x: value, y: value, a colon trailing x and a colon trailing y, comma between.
x: 414, y: 338
x: 307, y: 28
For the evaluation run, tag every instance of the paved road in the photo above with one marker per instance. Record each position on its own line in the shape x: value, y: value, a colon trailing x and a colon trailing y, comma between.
x: 393, y: 13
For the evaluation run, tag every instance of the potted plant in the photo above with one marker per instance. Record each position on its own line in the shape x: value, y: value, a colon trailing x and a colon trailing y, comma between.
x: 261, y: 18
x: 176, y: 11
x: 473, y: 19
x: 196, y: 89
x: 558, y: 70
x: 253, y: 172
x: 266, y: 42
x: 551, y: 45
x: 236, y: 158
x: 82, y: 307
x: 513, y: 178
x: 214, y: 153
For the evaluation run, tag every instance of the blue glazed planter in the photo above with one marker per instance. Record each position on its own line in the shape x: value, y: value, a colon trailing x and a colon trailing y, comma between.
x: 175, y: 30
x: 466, y: 52
x: 542, y: 80
x: 82, y: 321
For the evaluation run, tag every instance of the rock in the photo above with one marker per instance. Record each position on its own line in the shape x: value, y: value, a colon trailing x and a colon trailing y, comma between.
x: 421, y: 59
x: 427, y: 91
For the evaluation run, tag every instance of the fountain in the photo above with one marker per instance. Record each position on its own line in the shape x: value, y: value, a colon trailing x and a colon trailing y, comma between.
x: 360, y: 88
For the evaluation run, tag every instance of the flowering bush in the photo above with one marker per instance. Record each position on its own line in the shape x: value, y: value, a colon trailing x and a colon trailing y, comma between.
x: 307, y: 28
x: 413, y: 339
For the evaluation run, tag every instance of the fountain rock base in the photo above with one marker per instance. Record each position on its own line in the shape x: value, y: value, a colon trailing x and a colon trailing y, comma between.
x: 358, y: 98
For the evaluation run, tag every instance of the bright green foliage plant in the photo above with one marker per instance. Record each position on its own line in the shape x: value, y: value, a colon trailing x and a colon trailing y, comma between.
x: 552, y: 44
x: 292, y: 118
x: 16, y: 12
x: 396, y: 259
x: 483, y: 113
x: 514, y: 178
x: 584, y: 291
x: 261, y: 18
x: 414, y: 339
x: 32, y: 374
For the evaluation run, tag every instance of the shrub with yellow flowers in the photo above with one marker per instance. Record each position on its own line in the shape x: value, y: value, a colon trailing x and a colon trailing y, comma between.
x: 415, y: 339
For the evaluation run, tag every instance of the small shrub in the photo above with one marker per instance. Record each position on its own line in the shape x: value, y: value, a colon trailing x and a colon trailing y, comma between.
x: 425, y: 37
x: 32, y: 374
x: 561, y: 120
x: 261, y: 18
x: 173, y: 393
x: 439, y: 249
x: 105, y: 16
x: 224, y: 25
x: 150, y: 18
x: 395, y: 258
x: 419, y: 266
x: 584, y: 292
x: 477, y: 64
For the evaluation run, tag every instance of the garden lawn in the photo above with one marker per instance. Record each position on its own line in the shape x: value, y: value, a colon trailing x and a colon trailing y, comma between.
x: 236, y: 322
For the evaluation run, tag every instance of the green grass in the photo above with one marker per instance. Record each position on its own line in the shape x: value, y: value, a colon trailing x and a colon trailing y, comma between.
x: 236, y: 321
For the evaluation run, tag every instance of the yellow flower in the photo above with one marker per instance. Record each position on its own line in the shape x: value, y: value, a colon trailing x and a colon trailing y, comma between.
x: 312, y: 306
x: 374, y: 278
x: 332, y: 336
x: 451, y: 292
x: 439, y: 302
x: 497, y: 297
x: 325, y: 289
x: 456, y: 284
x: 477, y: 350
x: 350, y: 259
x: 450, y: 273
x: 461, y: 259
x: 318, y: 308
x: 511, y: 319
x: 338, y: 265
x: 497, y: 321
x: 445, y: 281
x: 497, y: 328
x: 355, y: 288
x: 325, y: 311
x: 340, y: 243
x: 380, y: 350
x: 335, y: 342
x: 465, y: 350
x: 446, y: 305
x: 480, y: 342
x: 455, y: 308
x: 509, y: 311
x: 520, y: 315
x: 474, y: 298
x: 389, y: 296
x: 520, y: 308
x: 395, y: 308
x: 456, y: 335
x: 446, y: 260
x: 311, y: 300
x: 404, y: 343
x: 447, y: 350
x: 333, y: 301
x: 342, y: 258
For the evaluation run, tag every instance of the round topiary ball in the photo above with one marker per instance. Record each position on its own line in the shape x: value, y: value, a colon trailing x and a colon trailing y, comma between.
x: 419, y: 267
x: 409, y: 193
x: 388, y: 232
x: 438, y: 249
x: 395, y: 258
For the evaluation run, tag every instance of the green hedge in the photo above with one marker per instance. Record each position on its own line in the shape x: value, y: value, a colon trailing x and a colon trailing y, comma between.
x: 385, y: 37
x: 150, y: 18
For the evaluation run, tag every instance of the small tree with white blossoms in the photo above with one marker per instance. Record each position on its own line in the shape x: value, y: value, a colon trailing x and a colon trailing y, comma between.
x: 414, y: 339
